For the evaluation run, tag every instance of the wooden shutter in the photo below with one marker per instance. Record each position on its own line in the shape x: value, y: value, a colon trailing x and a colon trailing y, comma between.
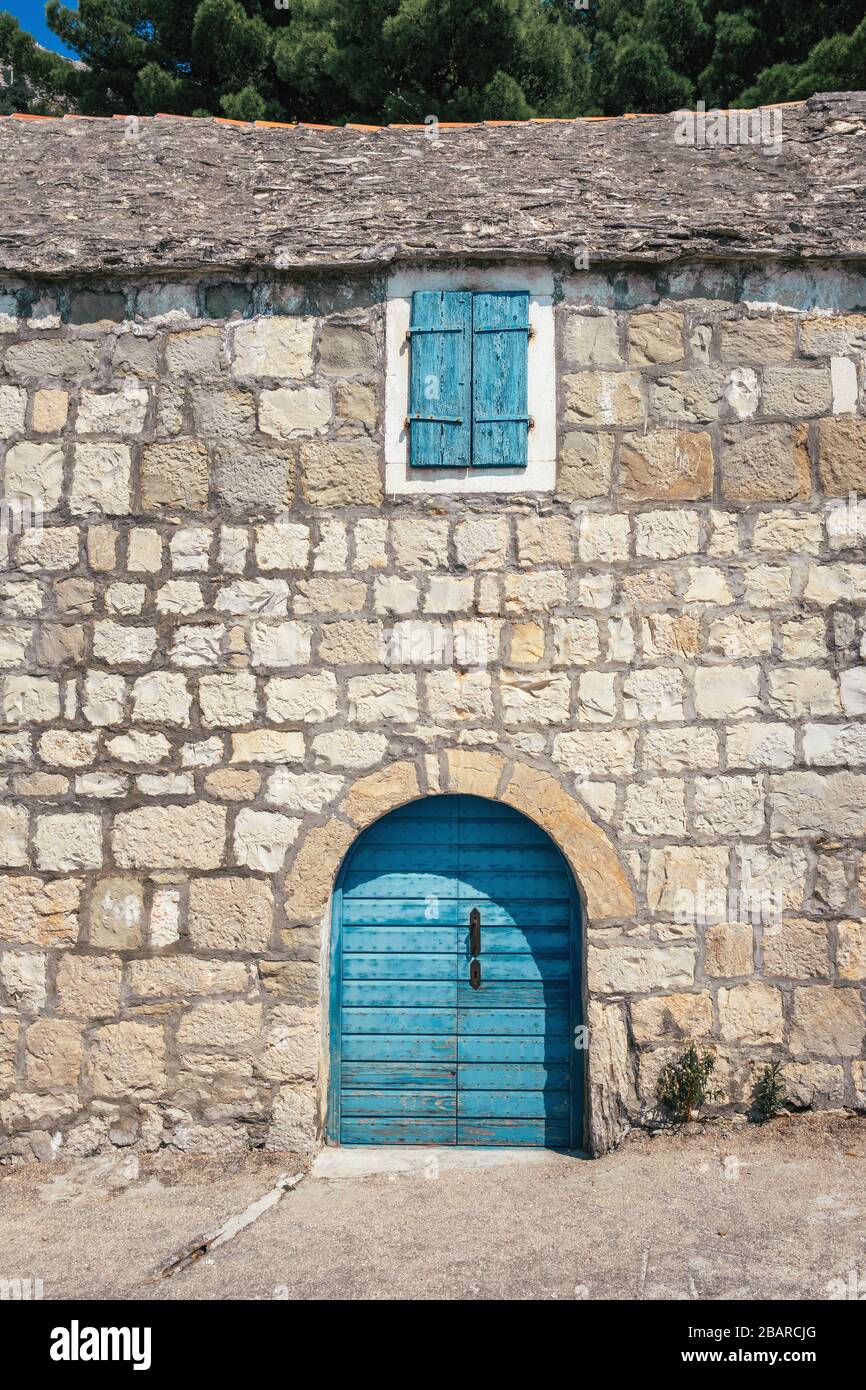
x: 440, y: 376
x: 500, y: 421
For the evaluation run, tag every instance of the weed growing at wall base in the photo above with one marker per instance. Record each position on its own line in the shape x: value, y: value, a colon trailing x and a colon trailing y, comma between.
x: 683, y: 1086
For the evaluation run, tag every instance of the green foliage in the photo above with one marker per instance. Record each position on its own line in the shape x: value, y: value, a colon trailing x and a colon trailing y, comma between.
x: 403, y: 60
x: 683, y: 1086
x: 31, y: 80
x: 769, y: 1093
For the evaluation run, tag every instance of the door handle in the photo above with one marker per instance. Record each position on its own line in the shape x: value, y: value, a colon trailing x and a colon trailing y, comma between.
x: 475, y: 932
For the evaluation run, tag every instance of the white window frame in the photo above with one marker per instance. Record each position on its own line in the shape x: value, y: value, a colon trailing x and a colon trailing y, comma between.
x: 539, y: 474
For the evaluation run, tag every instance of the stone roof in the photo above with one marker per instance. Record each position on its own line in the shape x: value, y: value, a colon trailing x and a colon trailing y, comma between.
x: 170, y: 194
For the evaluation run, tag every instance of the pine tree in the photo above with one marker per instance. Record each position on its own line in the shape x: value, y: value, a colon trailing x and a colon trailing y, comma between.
x: 404, y: 60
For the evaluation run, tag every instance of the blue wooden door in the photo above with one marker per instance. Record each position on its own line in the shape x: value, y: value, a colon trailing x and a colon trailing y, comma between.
x: 441, y: 1034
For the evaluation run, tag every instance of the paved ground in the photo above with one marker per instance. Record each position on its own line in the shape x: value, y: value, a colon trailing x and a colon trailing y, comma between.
x: 719, y: 1212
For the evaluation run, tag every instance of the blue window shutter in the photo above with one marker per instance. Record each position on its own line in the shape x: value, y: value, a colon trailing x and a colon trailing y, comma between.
x: 500, y: 422
x: 440, y: 380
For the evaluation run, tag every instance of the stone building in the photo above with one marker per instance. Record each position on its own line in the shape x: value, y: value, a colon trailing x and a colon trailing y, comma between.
x: 242, y: 617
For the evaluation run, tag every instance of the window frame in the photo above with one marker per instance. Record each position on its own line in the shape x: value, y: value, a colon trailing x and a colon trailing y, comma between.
x: 539, y: 473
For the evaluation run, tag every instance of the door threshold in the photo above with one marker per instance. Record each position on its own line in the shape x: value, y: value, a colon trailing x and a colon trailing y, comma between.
x: 366, y: 1160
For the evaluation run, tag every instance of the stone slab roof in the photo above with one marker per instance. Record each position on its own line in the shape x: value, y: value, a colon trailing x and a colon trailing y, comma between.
x: 170, y: 194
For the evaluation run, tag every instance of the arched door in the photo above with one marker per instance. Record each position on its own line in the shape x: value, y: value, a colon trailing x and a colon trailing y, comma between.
x: 455, y: 1004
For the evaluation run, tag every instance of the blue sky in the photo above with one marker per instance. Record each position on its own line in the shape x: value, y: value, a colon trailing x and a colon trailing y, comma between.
x: 31, y: 16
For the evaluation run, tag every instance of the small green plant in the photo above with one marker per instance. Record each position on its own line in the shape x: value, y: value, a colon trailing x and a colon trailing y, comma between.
x: 683, y: 1086
x: 769, y: 1094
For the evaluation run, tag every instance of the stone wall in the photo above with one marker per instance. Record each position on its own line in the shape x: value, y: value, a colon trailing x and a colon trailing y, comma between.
x: 225, y: 650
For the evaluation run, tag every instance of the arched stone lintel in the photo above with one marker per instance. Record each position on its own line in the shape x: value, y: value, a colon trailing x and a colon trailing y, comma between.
x: 594, y: 861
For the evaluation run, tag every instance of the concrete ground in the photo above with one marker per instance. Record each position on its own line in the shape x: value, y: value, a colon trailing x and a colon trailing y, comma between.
x: 719, y: 1211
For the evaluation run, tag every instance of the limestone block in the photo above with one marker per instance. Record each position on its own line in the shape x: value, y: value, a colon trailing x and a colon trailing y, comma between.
x: 68, y: 841
x: 420, y: 543
x: 272, y: 347
x: 293, y: 1122
x: 764, y: 463
x: 654, y: 695
x: 230, y: 914
x: 474, y: 772
x: 228, y: 700
x: 591, y: 341
x: 117, y: 914
x: 23, y: 979
x: 688, y: 882
x: 728, y: 806
x: 88, y: 986
x: 851, y: 950
x: 639, y: 968
x: 291, y: 1051
x: 262, y: 838
x: 828, y: 1021
x: 655, y: 335
x: 666, y: 465
x: 161, y: 697
x: 174, y: 475
x: 267, y: 746
x: 663, y: 1017
x: 655, y: 807
x: 37, y: 913
x: 128, y: 1060
x: 312, y: 874
x: 664, y: 535
x: 308, y: 699
x: 796, y: 392
x: 292, y: 413
x: 729, y: 949
x: 726, y: 692
x: 374, y: 795
x: 13, y: 406
x: 247, y: 477
x: 170, y: 837
x: 760, y: 745
x: 797, y: 949
x: 50, y: 409
x: 112, y: 412
x: 220, y: 1023
x: 585, y: 465
x: 803, y: 691
x: 760, y: 340
x: 462, y: 695
x: 751, y: 1013
x: 531, y: 593
x: 603, y: 398
x: 697, y: 395
x: 344, y: 472
x: 302, y: 791
x: 13, y: 836
x: 375, y: 698
x: 345, y: 349
x: 54, y: 1053
x: 809, y: 803
x: 122, y: 644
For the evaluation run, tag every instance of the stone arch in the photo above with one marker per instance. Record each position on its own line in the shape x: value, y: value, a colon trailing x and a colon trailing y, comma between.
x: 603, y: 883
